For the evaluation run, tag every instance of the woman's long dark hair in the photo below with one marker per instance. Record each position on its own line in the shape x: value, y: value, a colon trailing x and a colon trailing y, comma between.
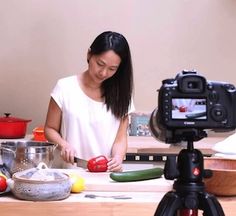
x: 118, y: 89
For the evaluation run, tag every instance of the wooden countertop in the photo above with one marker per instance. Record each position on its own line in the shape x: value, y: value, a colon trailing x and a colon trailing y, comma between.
x: 142, y: 203
x: 138, y: 197
x: 147, y: 144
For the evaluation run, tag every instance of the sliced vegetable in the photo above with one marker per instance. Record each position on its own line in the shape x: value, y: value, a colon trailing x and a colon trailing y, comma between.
x: 137, y: 175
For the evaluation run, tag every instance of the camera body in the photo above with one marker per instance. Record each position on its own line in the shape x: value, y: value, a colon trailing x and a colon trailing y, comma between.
x: 191, y: 102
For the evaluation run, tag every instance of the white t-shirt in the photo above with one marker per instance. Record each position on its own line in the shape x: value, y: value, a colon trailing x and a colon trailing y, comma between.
x: 86, y: 123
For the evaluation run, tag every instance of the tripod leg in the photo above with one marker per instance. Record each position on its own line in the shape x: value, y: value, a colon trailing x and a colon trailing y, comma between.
x: 169, y: 205
x: 210, y: 205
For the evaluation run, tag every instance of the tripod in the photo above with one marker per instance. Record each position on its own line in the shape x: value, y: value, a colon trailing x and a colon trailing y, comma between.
x: 188, y: 193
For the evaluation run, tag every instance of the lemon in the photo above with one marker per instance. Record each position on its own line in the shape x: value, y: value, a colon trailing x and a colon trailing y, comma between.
x: 78, y: 183
x: 1, y: 174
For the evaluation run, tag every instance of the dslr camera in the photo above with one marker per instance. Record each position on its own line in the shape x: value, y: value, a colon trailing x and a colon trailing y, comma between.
x: 189, y: 104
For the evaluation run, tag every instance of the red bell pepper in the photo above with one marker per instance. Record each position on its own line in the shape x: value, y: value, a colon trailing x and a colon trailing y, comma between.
x: 183, y: 109
x: 97, y: 164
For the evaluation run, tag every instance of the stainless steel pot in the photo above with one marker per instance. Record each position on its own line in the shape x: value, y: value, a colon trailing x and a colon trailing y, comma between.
x: 40, y: 184
x: 22, y: 155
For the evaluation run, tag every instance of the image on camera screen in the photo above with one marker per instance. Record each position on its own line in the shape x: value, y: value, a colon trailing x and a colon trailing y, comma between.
x: 189, y: 108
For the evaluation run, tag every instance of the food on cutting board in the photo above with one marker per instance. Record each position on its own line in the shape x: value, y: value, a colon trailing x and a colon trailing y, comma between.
x: 137, y: 175
x: 3, y: 182
x: 78, y: 183
x: 98, y: 164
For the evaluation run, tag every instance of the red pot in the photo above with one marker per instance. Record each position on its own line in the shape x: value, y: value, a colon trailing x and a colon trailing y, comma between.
x: 12, y: 127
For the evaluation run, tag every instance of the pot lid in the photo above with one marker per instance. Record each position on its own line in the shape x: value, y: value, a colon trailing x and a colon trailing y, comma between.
x: 41, y: 173
x: 8, y: 118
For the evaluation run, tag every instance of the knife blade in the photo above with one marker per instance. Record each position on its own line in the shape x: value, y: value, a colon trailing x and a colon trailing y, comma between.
x: 81, y: 162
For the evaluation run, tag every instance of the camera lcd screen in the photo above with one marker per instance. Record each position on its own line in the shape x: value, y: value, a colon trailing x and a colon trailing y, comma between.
x: 189, y: 108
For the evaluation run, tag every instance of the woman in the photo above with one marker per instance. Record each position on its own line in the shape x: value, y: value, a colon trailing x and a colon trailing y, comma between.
x: 88, y: 112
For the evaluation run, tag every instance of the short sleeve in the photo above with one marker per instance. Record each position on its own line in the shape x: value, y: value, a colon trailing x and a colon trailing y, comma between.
x: 57, y: 94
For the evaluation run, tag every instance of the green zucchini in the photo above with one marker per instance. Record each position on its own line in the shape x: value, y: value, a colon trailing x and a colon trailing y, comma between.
x: 137, y: 175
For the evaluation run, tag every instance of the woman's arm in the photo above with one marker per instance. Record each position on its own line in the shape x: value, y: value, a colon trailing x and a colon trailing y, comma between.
x: 52, y: 131
x: 119, y: 147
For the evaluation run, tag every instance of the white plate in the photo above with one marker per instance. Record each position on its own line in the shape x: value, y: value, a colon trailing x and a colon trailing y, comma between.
x: 227, y: 146
x: 227, y: 156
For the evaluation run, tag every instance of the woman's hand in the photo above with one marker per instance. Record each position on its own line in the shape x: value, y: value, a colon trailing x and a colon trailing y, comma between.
x: 68, y: 153
x: 115, y: 165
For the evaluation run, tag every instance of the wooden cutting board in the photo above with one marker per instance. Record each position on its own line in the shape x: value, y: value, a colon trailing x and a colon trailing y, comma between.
x: 102, y: 182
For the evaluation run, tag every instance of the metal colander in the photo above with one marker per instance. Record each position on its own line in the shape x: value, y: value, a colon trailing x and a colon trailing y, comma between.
x: 22, y: 155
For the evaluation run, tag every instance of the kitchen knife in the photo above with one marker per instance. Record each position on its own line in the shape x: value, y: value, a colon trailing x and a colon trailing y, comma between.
x: 81, y: 162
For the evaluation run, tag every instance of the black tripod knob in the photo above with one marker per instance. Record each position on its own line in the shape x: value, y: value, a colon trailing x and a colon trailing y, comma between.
x: 207, y: 173
x: 170, y: 170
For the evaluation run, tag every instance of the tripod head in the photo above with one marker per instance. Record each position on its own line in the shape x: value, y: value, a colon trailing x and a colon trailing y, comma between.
x: 189, y: 166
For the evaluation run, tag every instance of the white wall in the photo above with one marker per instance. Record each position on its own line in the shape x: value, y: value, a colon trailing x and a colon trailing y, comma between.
x: 42, y: 40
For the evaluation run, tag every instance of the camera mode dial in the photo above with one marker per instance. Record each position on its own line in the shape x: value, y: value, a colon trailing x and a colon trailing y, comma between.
x: 218, y: 113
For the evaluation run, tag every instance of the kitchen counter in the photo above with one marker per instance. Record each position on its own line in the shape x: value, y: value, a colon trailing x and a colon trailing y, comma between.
x: 149, y: 150
x: 108, y: 198
x: 139, y: 197
x: 127, y: 199
x: 142, y: 203
x: 150, y: 146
